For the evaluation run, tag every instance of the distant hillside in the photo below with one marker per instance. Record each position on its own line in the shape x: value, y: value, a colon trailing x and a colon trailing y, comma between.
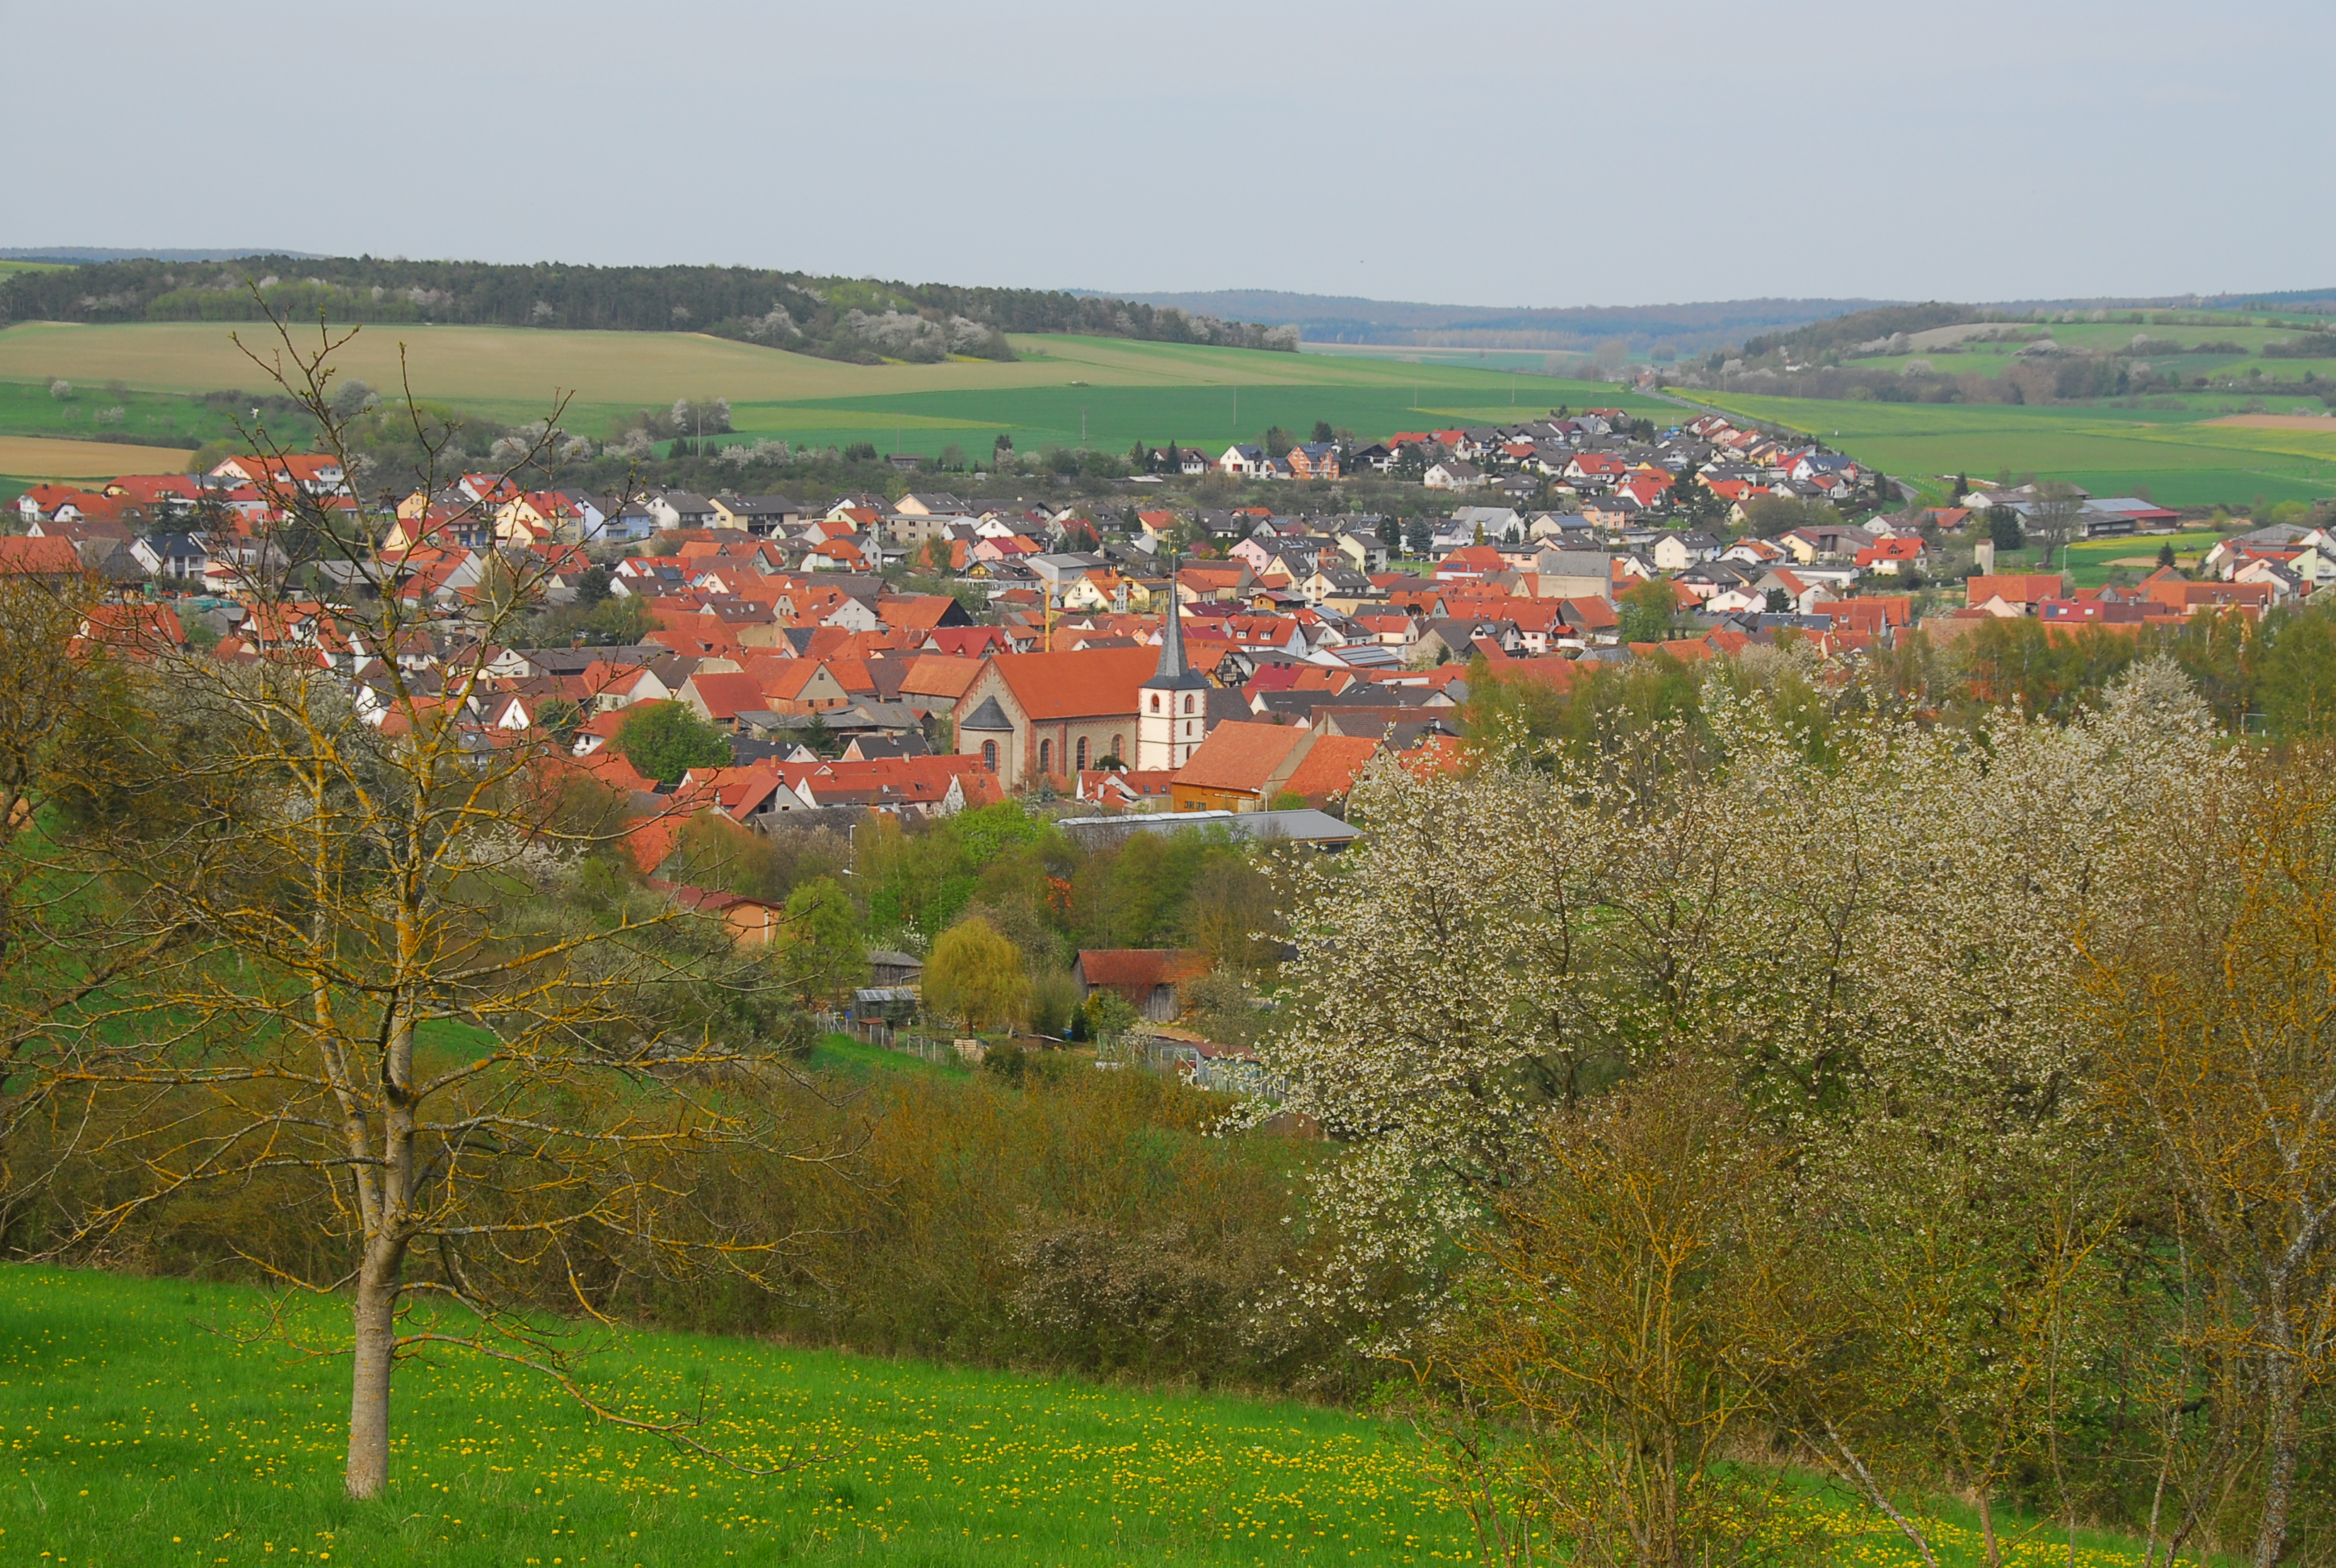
x: 860, y: 320
x: 1860, y: 327
x: 86, y: 253
x: 1689, y: 328
x: 2312, y: 299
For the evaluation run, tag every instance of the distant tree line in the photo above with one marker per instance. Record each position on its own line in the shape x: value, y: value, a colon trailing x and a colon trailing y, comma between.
x: 852, y: 319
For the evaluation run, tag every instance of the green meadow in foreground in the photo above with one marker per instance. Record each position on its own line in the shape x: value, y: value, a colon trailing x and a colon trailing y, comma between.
x: 140, y: 1430
x: 140, y: 1435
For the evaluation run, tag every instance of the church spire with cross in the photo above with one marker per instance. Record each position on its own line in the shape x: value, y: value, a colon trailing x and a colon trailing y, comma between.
x: 1172, y: 707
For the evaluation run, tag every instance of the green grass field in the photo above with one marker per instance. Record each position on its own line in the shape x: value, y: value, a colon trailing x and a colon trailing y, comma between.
x: 2091, y: 562
x: 1209, y: 416
x: 142, y: 1430
x: 852, y: 1058
x: 29, y: 408
x: 2180, y: 458
x: 1129, y: 391
x: 140, y: 1438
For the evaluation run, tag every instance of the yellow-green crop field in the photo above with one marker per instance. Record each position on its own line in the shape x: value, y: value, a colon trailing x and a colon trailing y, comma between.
x: 139, y: 1429
x: 1102, y: 393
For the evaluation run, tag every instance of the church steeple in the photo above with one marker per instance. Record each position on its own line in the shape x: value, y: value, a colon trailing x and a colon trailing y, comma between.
x: 1172, y: 640
x: 1171, y: 717
x: 1176, y: 672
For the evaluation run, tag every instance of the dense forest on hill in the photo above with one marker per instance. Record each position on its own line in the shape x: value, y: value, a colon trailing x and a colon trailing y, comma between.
x: 857, y: 319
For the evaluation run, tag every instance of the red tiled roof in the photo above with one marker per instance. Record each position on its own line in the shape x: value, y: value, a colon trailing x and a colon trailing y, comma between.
x: 1134, y: 972
x: 938, y: 674
x: 1091, y: 683
x: 725, y: 692
x: 134, y: 629
x: 2022, y: 588
x: 1329, y: 770
x: 737, y: 790
x: 21, y: 557
x: 1241, y: 756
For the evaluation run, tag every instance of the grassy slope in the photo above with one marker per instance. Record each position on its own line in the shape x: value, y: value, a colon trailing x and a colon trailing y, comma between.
x: 852, y: 1058
x: 2184, y: 461
x: 139, y: 1436
x: 28, y: 408
x: 140, y: 1439
x: 1151, y: 390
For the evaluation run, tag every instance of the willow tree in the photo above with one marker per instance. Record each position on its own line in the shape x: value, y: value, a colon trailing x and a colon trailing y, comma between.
x: 409, y: 1006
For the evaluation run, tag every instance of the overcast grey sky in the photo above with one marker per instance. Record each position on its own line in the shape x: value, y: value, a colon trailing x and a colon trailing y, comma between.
x: 1547, y: 154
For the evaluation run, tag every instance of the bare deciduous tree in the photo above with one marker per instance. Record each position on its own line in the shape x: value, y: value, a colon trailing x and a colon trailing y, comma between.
x: 404, y: 1005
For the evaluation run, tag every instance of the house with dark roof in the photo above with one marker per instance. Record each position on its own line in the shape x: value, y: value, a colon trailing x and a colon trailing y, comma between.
x: 760, y: 515
x: 1313, y: 459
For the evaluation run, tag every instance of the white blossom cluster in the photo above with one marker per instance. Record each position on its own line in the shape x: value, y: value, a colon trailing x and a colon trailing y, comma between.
x: 899, y: 332
x: 1885, y: 928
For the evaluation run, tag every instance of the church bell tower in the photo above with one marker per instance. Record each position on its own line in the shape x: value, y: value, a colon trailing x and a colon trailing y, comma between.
x: 1171, y: 713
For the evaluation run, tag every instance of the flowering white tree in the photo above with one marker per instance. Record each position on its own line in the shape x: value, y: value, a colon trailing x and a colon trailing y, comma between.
x: 1890, y: 921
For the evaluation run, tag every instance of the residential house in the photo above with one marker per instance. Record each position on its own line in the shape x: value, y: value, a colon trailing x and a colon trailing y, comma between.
x: 1893, y: 557
x: 315, y: 474
x: 1313, y: 459
x: 674, y: 509
x: 182, y: 557
x: 1367, y: 551
x: 761, y: 516
x: 1453, y: 473
x: 1677, y: 551
x: 2015, y: 595
x: 1240, y: 767
x: 53, y: 561
x: 930, y: 503
x: 1824, y: 542
x: 1573, y: 574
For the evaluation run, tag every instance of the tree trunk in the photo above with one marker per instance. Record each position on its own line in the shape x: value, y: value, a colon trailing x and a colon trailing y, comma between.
x: 1987, y: 1527
x: 2283, y: 1397
x: 375, y: 1315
